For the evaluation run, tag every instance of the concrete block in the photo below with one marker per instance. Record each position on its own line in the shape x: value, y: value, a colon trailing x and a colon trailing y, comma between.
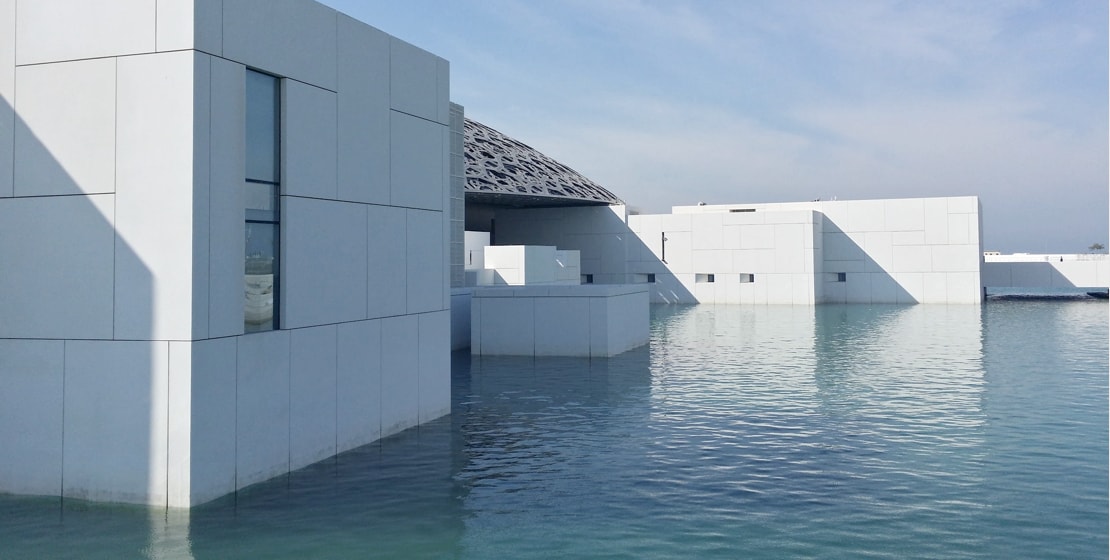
x: 258, y: 33
x: 57, y: 30
x: 57, y: 277
x: 744, y: 218
x: 676, y: 222
x: 963, y: 205
x: 155, y: 206
x: 713, y: 261
x: 308, y: 141
x: 418, y: 153
x: 879, y: 251
x: 363, y: 108
x: 803, y: 289
x: 858, y: 288
x: 443, y: 90
x: 836, y: 215
x: 708, y: 232
x: 213, y: 416
x: 936, y: 221
x: 359, y: 384
x: 561, y: 326
x: 780, y: 288
x: 190, y: 24
x: 31, y: 381
x: 911, y: 258
x: 884, y: 289
x: 935, y: 287
x: 539, y: 264
x: 400, y: 373
x: 908, y: 237
x: 65, y: 144
x: 757, y: 237
x: 312, y: 395
x: 963, y: 287
x: 413, y: 81
x: 328, y: 242
x: 911, y: 286
x: 426, y: 268
x: 959, y: 228
x: 115, y: 421
x: 227, y: 153
x: 434, y: 385
x: 387, y: 258
x: 7, y: 96
x: 956, y: 258
x: 905, y: 215
x: 866, y: 215
x: 507, y: 326
x: 841, y: 247
x: 262, y: 405
x: 677, y: 252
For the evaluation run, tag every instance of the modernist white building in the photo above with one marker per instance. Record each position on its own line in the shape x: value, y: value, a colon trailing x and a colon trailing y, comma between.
x: 914, y: 250
x: 223, y: 243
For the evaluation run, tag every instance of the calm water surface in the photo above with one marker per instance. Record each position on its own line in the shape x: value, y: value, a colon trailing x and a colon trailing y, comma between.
x: 742, y: 432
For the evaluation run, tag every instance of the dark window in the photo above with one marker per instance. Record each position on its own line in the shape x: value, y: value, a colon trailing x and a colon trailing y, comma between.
x: 587, y: 278
x: 651, y: 278
x: 841, y: 276
x: 262, y: 203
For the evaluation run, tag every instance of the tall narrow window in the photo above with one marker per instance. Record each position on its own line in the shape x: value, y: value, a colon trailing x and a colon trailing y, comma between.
x: 263, y: 209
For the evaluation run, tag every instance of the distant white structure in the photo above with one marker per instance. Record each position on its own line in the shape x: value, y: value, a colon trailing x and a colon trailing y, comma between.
x: 1026, y: 270
x: 922, y: 250
x: 223, y: 243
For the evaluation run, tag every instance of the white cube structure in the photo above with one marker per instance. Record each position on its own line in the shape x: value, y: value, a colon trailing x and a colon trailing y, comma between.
x: 126, y: 372
x: 914, y: 250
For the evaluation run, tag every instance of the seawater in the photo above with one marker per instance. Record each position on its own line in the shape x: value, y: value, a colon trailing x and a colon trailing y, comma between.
x: 740, y: 432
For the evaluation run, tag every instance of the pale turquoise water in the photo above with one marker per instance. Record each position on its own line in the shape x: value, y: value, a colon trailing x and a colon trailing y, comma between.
x: 743, y: 432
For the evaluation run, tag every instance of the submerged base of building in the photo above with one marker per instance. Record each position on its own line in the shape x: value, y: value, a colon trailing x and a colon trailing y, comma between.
x: 585, y: 320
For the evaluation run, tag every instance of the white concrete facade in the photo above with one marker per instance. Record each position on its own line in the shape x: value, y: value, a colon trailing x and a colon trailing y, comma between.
x: 1027, y: 270
x: 920, y: 250
x: 520, y: 265
x: 537, y: 320
x: 125, y: 373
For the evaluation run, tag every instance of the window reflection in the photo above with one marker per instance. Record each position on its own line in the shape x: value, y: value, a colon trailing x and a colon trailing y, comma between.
x: 262, y: 203
x: 260, y: 270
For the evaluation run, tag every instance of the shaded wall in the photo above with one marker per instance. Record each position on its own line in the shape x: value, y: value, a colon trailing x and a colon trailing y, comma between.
x: 122, y: 243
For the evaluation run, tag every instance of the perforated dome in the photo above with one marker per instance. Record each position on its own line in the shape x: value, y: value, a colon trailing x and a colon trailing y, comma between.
x: 504, y: 171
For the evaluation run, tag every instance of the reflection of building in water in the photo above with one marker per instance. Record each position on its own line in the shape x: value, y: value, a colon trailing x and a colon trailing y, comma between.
x: 226, y: 258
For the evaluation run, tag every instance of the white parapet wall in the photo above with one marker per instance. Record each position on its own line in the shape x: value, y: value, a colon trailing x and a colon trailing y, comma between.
x: 589, y: 320
x: 1026, y: 270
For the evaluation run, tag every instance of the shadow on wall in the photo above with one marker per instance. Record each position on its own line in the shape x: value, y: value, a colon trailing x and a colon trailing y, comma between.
x: 84, y: 393
x: 604, y: 241
x: 1060, y: 274
x: 851, y: 275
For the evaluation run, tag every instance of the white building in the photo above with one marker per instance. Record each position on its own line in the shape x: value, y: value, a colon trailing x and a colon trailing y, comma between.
x: 864, y: 251
x: 223, y: 243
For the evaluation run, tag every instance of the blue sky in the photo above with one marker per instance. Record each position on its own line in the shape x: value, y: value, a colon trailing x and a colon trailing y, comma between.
x: 676, y: 102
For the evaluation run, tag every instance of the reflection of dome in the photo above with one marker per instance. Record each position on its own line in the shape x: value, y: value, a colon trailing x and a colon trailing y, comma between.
x: 504, y: 171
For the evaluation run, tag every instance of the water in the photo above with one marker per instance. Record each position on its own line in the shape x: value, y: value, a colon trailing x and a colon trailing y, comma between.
x: 742, y: 432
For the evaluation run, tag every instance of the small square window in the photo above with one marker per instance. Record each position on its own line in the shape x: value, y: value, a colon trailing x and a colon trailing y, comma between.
x: 587, y: 278
x: 841, y: 276
x: 651, y: 278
